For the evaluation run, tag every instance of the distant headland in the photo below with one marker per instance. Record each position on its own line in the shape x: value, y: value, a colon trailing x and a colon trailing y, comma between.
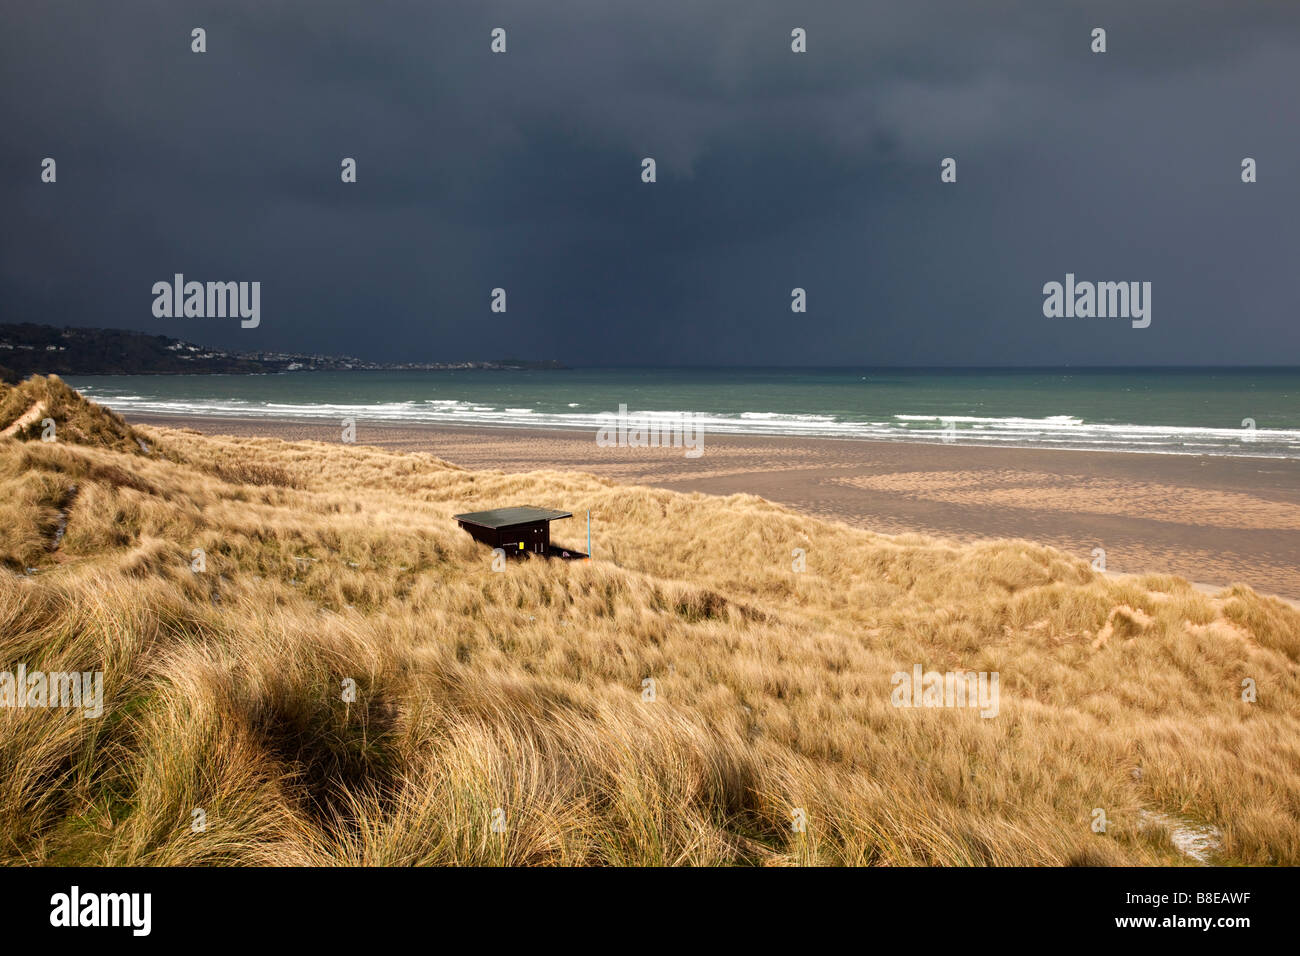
x: 31, y: 349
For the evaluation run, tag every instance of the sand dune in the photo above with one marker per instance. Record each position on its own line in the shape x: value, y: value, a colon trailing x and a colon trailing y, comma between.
x: 347, y: 679
x: 1212, y: 520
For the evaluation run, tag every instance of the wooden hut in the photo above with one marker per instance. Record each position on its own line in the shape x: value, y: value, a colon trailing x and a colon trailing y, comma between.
x: 515, y: 530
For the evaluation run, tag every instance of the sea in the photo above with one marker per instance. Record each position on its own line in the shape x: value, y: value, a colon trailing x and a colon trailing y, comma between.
x: 1239, y: 412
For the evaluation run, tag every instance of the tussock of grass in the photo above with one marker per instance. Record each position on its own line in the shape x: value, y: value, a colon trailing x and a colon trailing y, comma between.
x: 521, y: 692
x: 76, y: 419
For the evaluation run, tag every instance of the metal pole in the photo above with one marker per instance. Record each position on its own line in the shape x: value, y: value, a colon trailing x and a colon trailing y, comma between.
x: 588, y: 534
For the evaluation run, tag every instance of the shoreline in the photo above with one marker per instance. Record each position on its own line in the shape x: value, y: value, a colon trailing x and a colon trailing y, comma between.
x: 1213, y: 519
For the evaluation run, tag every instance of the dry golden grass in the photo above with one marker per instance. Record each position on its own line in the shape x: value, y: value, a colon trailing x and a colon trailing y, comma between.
x: 522, y: 690
x: 79, y: 421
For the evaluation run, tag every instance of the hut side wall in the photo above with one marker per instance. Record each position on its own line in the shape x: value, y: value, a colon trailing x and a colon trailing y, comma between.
x: 535, y: 537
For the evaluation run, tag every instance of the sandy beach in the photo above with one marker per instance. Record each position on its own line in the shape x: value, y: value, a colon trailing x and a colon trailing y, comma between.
x: 1212, y: 520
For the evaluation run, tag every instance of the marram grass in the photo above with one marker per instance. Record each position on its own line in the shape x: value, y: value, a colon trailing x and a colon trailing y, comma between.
x: 499, y: 718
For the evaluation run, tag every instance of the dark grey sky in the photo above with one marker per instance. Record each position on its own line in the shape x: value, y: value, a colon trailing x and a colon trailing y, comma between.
x: 775, y: 170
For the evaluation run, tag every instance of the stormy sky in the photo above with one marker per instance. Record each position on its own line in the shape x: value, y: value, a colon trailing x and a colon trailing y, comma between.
x: 775, y: 170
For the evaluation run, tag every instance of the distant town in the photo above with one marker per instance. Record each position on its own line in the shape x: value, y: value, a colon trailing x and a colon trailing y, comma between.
x: 30, y: 349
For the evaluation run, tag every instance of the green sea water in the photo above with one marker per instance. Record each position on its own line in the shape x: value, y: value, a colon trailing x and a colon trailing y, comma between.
x: 1253, y: 412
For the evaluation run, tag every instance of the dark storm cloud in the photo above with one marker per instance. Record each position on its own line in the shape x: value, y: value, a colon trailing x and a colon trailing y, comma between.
x: 776, y: 170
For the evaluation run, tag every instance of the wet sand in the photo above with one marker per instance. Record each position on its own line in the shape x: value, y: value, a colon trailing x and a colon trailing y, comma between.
x: 1212, y: 520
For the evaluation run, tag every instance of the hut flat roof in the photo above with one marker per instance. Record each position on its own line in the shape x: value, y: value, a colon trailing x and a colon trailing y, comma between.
x: 506, y: 517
